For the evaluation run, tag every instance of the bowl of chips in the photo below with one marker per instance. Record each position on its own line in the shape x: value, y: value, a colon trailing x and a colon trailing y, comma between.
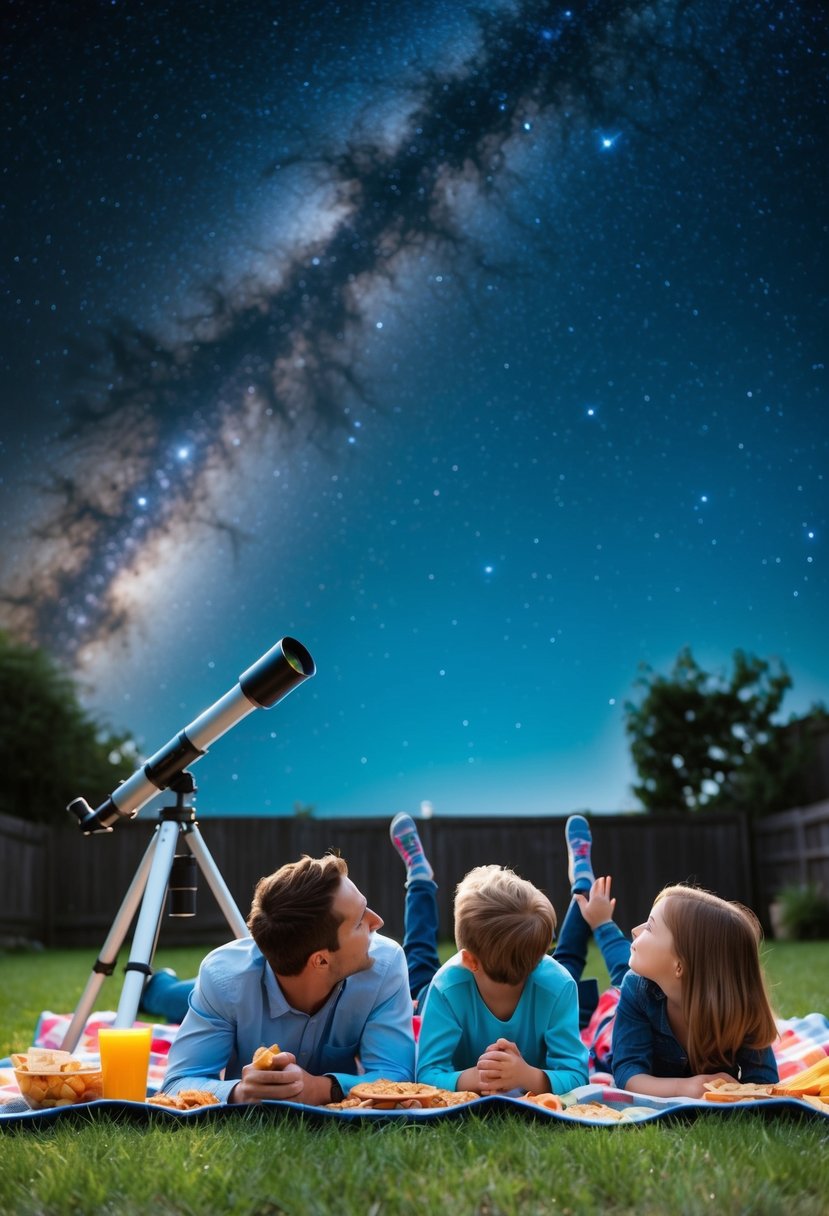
x: 49, y: 1078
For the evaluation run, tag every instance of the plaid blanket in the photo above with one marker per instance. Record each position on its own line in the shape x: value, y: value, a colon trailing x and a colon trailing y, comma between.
x: 802, y: 1042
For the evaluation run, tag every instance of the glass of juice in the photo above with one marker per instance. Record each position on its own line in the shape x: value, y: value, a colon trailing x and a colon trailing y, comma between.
x: 125, y: 1061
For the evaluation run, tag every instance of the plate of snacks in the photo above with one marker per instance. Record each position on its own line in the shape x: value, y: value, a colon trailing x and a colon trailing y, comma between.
x: 47, y: 1079
x: 403, y: 1095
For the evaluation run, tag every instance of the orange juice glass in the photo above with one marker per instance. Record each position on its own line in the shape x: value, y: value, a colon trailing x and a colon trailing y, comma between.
x: 125, y: 1061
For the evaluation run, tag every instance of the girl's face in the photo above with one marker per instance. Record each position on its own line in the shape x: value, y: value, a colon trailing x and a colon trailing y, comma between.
x: 652, y: 952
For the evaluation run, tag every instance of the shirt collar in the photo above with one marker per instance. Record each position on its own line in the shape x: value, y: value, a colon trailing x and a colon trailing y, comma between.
x: 278, y: 1003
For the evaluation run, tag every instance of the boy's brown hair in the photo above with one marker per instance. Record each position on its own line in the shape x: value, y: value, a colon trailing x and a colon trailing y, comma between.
x: 506, y: 922
x: 291, y: 915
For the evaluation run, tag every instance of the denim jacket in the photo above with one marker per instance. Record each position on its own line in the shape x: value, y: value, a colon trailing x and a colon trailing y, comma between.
x: 643, y: 1041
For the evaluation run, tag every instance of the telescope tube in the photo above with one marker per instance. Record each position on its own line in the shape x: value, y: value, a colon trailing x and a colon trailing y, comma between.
x: 265, y: 683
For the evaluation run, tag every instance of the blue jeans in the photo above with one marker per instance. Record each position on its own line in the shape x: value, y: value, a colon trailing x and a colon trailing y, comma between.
x: 167, y: 996
x: 571, y: 952
x: 420, y: 934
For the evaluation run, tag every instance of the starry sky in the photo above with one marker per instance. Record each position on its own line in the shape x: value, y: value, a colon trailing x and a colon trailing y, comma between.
x: 481, y: 348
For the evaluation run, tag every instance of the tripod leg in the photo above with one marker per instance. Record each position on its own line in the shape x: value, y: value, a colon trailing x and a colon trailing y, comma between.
x: 217, y: 884
x: 105, y: 963
x: 149, y: 919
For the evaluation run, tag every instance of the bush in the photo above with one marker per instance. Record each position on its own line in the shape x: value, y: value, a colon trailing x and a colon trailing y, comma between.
x: 804, y: 911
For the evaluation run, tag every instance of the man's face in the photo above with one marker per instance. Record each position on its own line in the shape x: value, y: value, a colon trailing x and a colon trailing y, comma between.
x: 354, y: 933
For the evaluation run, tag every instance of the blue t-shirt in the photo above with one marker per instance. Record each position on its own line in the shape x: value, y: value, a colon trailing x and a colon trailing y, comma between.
x: 643, y: 1041
x: 458, y: 1027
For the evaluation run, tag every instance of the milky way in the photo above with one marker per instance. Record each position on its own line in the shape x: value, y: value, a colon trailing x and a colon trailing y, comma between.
x: 481, y: 350
x: 283, y: 351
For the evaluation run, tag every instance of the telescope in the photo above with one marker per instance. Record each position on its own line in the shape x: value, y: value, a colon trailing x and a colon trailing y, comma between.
x: 177, y: 848
x: 264, y: 683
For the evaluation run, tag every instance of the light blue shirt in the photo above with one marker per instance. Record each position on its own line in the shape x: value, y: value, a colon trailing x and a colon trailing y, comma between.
x: 364, y: 1028
x: 458, y: 1027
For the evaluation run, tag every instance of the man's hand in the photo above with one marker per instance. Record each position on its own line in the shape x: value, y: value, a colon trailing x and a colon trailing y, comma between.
x: 285, y: 1081
x: 597, y: 907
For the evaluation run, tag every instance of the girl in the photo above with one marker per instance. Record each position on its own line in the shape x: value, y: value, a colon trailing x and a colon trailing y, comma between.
x: 693, y: 1007
x: 688, y: 1004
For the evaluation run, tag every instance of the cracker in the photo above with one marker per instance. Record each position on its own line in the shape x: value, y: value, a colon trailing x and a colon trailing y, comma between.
x: 185, y: 1099
x: 264, y: 1057
x: 735, y: 1091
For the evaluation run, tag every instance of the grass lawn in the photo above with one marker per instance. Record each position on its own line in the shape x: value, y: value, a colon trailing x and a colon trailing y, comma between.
x: 265, y: 1164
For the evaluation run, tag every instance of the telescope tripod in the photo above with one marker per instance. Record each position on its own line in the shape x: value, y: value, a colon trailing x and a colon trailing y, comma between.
x: 147, y: 891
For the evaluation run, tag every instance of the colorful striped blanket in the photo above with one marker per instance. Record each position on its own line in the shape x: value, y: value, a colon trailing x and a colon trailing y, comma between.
x: 802, y: 1042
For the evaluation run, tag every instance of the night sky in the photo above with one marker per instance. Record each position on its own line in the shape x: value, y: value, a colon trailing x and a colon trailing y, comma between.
x: 480, y: 348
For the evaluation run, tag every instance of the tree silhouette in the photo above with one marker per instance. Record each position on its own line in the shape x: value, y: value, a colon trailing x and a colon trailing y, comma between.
x: 51, y: 750
x: 701, y: 741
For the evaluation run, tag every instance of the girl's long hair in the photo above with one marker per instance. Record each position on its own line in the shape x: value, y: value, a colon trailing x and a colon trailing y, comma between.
x: 724, y: 998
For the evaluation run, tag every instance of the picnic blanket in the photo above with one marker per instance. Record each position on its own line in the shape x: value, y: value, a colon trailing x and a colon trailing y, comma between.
x: 802, y: 1042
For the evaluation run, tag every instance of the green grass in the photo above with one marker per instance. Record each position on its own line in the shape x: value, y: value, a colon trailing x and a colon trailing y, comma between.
x: 264, y: 1164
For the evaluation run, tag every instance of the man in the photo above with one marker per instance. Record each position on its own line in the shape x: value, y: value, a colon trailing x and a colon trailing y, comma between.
x: 315, y: 978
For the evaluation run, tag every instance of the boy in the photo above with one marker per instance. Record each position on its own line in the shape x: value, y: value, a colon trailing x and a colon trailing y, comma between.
x: 502, y: 1015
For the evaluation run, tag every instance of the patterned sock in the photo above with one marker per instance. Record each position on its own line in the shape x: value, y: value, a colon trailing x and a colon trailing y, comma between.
x: 405, y: 839
x: 579, y: 840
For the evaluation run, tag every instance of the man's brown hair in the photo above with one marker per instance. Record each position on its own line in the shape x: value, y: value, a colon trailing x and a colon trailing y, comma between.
x: 291, y: 915
x: 505, y: 921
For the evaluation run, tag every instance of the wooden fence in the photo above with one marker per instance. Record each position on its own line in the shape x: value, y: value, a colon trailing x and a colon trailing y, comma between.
x: 64, y: 889
x: 792, y: 847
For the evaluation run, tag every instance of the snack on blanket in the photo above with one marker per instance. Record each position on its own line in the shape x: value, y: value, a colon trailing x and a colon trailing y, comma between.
x: 453, y: 1097
x: 185, y: 1099
x: 548, y: 1101
x: 594, y: 1110
x: 813, y: 1080
x: 49, y: 1078
x: 735, y: 1091
x: 264, y: 1057
x: 385, y: 1095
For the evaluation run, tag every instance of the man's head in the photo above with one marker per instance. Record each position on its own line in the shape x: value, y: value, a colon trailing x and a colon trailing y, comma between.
x: 311, y: 909
x: 504, y: 922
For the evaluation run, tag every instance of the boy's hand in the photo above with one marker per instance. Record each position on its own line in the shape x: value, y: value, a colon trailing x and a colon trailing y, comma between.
x: 501, y: 1068
x: 597, y: 907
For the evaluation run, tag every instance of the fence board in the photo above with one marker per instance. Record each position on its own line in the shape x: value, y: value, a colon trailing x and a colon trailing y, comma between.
x: 792, y: 847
